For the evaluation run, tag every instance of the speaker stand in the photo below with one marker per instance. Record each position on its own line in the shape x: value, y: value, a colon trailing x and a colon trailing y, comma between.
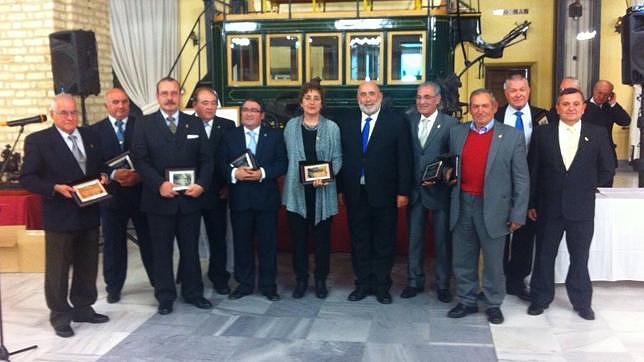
x: 83, y: 109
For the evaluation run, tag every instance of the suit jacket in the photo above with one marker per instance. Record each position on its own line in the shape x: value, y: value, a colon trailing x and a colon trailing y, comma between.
x: 387, y: 162
x: 270, y: 155
x: 436, y: 196
x: 571, y: 194
x: 48, y: 161
x: 219, y: 127
x: 506, y: 186
x: 605, y: 116
x: 123, y: 197
x: 156, y: 150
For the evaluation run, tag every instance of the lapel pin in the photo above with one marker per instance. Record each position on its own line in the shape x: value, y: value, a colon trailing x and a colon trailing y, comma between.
x: 586, y: 138
x: 438, y: 126
x: 500, y: 136
x: 186, y: 125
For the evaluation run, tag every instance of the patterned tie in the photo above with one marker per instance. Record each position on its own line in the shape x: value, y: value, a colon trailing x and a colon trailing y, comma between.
x: 78, y: 154
x: 519, y: 122
x: 252, y: 145
x: 171, y: 125
x: 423, y: 131
x: 120, y: 133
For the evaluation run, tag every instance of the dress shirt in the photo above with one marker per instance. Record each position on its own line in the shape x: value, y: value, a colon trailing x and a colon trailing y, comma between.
x: 207, y: 125
x: 174, y: 116
x: 484, y: 129
x: 372, y: 123
x: 113, y: 122
x: 69, y: 143
x: 429, y: 125
x: 247, y: 138
x: 511, y: 120
x: 569, y: 141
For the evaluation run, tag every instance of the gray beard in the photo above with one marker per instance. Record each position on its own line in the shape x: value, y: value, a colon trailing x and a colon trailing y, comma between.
x: 375, y: 108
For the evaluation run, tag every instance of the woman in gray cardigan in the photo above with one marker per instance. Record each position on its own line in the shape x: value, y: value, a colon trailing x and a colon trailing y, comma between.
x: 311, y: 138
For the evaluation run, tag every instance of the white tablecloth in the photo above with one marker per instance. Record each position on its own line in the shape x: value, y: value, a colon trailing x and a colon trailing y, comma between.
x: 617, y: 249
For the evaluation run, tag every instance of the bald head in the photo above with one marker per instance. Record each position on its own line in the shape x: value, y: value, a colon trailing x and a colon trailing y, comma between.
x: 569, y: 82
x: 603, y: 92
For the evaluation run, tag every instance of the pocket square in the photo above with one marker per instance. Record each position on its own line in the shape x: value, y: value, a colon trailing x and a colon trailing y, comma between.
x: 192, y: 136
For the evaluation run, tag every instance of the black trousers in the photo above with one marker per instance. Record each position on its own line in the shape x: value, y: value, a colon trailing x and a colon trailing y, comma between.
x: 163, y: 229
x: 300, y: 228
x: 215, y: 221
x: 78, y: 250
x: 373, y: 238
x: 578, y: 237
x: 114, y: 225
x: 517, y: 261
x: 258, y: 226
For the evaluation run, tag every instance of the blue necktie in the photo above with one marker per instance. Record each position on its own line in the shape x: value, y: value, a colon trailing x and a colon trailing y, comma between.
x: 252, y: 145
x: 365, y: 134
x: 519, y: 122
x: 120, y: 133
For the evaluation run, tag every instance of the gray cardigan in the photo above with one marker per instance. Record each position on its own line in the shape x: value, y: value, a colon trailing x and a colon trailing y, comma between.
x: 327, y: 148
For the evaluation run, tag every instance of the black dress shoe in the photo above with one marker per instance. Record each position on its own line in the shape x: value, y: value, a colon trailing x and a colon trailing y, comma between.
x: 64, y: 331
x: 358, y: 294
x: 200, y: 302
x: 165, y: 308
x: 586, y: 313
x: 444, y: 295
x: 383, y: 298
x: 321, y: 290
x: 94, y: 318
x: 238, y: 293
x: 461, y: 310
x: 494, y: 315
x: 300, y: 289
x: 522, y: 293
x: 271, y: 295
x: 535, y: 309
x: 222, y: 289
x: 410, y: 292
x: 113, y: 297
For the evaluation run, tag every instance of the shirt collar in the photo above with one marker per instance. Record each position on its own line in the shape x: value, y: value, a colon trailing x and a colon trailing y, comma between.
x: 65, y: 135
x: 373, y: 116
x: 255, y: 131
x: 174, y: 115
x: 113, y: 120
x: 484, y: 129
x: 524, y: 111
x: 575, y: 127
x: 432, y: 117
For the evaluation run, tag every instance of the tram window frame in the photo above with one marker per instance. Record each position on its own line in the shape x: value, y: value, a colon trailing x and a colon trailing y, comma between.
x: 229, y: 65
x: 390, y: 50
x: 338, y: 64
x: 269, y: 80
x: 381, y: 56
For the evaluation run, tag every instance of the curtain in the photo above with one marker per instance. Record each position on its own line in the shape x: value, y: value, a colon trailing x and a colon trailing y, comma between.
x: 144, y: 46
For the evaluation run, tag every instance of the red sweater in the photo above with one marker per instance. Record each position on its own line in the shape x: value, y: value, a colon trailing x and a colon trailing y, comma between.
x: 474, y: 160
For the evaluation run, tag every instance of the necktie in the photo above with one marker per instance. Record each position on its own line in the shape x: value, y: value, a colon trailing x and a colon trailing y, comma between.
x: 252, y: 144
x: 171, y: 125
x: 365, y: 134
x: 519, y: 122
x: 423, y: 131
x: 120, y: 133
x: 78, y: 155
x: 207, y: 126
x: 569, y: 147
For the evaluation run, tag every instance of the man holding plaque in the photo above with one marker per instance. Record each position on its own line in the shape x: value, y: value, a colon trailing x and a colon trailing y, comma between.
x: 116, y: 132
x: 254, y: 198
x: 169, y: 145
x: 430, y: 139
x: 57, y: 158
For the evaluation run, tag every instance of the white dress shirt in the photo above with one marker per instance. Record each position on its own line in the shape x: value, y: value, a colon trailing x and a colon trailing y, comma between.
x: 511, y: 120
x: 69, y: 143
x: 569, y: 141
x: 233, y: 179
x: 430, y: 124
x: 372, y: 123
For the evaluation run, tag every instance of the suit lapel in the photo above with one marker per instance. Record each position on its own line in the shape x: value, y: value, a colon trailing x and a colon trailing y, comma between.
x: 129, y: 133
x: 415, y: 122
x: 436, y: 129
x: 497, y: 138
x: 584, y: 140
x: 556, y: 147
x: 262, y: 138
x: 162, y: 125
x: 378, y: 128
x: 61, y: 148
x: 92, y: 162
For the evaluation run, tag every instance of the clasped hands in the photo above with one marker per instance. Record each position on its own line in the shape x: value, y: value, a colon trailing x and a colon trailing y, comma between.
x: 194, y: 190
x: 245, y: 173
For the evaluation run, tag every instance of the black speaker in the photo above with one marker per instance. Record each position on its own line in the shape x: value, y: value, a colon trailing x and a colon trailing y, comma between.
x: 633, y: 48
x: 73, y: 62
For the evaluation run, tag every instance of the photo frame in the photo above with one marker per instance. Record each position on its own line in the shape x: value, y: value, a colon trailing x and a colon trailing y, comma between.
x: 122, y: 161
x: 313, y: 171
x: 246, y: 159
x: 433, y: 172
x: 89, y: 192
x: 181, y: 178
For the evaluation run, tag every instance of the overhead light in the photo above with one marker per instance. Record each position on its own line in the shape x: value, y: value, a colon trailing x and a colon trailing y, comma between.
x: 352, y: 24
x: 242, y: 42
x: 586, y: 35
x: 241, y: 26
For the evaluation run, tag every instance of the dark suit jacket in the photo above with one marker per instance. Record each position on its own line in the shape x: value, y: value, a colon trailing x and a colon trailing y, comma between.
x: 48, y: 161
x: 270, y: 155
x: 123, y: 197
x: 606, y: 116
x: 556, y: 192
x: 156, y: 150
x: 387, y: 163
x: 219, y: 127
x: 437, y: 196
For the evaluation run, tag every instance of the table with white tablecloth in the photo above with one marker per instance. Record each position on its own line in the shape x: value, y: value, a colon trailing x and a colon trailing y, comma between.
x: 617, y: 249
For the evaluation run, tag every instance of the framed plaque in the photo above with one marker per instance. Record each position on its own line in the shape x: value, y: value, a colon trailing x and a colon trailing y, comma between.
x: 181, y: 178
x: 433, y: 172
x: 89, y: 192
x: 121, y: 161
x: 246, y: 159
x: 312, y: 171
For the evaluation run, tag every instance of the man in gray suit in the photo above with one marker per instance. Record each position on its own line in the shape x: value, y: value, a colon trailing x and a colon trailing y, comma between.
x: 489, y: 201
x: 430, y: 138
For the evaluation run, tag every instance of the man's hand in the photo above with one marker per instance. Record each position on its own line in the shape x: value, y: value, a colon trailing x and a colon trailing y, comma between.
x: 194, y: 190
x: 513, y: 226
x: 401, y: 201
x: 65, y: 190
x: 126, y: 178
x: 319, y: 183
x: 223, y: 192
x: 166, y: 190
x: 104, y: 179
x: 427, y: 183
x: 247, y: 174
x: 254, y: 175
x: 532, y: 214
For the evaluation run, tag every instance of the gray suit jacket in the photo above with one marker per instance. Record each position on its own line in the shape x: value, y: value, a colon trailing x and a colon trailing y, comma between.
x: 506, y: 186
x: 437, y: 196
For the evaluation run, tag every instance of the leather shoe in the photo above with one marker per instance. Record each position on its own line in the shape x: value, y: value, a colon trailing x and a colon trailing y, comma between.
x: 535, y: 309
x: 165, y: 308
x: 522, y: 293
x: 461, y: 310
x: 113, y: 297
x: 64, y: 331
x: 410, y: 292
x: 271, y: 295
x: 94, y: 318
x: 494, y: 315
x: 444, y: 295
x: 321, y: 290
x: 238, y: 293
x: 200, y: 302
x: 383, y: 298
x: 222, y: 289
x: 300, y: 290
x: 358, y: 294
x: 586, y: 313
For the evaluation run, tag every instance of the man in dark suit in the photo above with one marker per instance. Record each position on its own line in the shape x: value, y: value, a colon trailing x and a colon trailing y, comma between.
x: 521, y: 115
x: 376, y: 180
x: 429, y: 139
x: 603, y: 110
x: 254, y: 199
x: 55, y: 159
x: 568, y: 161
x: 116, y: 132
x: 169, y: 139
x: 215, y: 197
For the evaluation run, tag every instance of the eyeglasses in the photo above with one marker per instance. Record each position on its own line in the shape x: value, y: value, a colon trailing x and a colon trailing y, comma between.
x: 251, y: 110
x: 66, y: 114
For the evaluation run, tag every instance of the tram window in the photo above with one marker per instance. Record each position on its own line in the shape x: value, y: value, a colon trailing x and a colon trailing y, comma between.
x: 406, y: 57
x: 244, y: 60
x: 365, y: 57
x: 284, y: 58
x: 323, y: 54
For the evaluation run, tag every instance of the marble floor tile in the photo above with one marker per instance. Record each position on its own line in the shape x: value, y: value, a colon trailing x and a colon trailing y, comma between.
x: 525, y: 339
x: 428, y: 352
x: 443, y: 331
x: 269, y: 350
x: 307, y: 307
x: 346, y: 330
x: 269, y: 327
x: 399, y: 332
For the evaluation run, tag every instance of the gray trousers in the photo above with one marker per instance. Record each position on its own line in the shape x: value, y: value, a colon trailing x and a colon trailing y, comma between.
x: 417, y: 218
x: 470, y: 237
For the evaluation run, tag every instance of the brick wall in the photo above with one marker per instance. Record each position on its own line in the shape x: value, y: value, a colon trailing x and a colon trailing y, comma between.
x: 26, y: 83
